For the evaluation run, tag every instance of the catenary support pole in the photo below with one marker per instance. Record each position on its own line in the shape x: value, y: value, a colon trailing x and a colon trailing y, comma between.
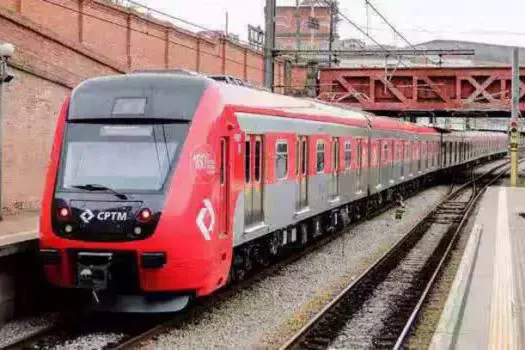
x: 269, y: 44
x: 297, y: 30
x: 331, y: 34
x: 514, y: 116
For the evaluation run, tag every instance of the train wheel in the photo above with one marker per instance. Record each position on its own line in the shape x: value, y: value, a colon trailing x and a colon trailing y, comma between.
x: 318, y: 227
x: 261, y: 255
x: 303, y: 232
x: 275, y: 243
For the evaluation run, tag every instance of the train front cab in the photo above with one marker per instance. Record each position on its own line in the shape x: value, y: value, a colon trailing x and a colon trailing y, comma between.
x: 132, y: 203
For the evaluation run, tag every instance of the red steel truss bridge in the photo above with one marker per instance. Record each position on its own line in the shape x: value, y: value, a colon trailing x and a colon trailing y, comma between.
x: 439, y: 90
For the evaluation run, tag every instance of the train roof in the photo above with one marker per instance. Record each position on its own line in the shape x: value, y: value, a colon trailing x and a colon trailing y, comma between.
x: 266, y: 102
x: 171, y: 93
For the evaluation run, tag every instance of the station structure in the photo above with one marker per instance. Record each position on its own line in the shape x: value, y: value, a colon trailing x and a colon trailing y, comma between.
x: 484, y: 309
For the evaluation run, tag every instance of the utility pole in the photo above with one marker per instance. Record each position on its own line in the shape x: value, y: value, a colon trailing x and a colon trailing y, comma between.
x: 6, y: 52
x: 514, y: 124
x: 297, y: 30
x: 331, y: 38
x: 226, y: 23
x: 269, y: 44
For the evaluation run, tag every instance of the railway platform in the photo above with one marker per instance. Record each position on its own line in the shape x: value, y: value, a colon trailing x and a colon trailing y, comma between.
x: 485, y: 307
x: 17, y: 230
x: 19, y: 274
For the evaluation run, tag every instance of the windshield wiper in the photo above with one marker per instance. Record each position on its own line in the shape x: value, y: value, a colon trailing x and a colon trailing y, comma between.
x: 95, y: 187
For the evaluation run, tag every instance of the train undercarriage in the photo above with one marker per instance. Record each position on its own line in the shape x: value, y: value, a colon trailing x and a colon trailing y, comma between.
x: 262, y: 252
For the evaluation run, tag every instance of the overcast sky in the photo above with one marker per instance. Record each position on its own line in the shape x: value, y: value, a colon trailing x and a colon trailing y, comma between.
x: 498, y: 22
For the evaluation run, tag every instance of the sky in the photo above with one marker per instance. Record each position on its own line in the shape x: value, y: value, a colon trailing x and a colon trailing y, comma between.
x: 496, y: 22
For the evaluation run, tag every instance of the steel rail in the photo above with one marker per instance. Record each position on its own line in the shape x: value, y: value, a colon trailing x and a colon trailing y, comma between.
x: 413, y: 317
x: 132, y: 341
x: 136, y: 340
x: 295, y: 341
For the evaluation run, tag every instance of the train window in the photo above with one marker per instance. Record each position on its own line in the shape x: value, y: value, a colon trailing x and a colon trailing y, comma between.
x: 297, y: 156
x: 281, y: 161
x: 348, y: 154
x: 394, y: 155
x: 376, y: 157
x: 432, y: 154
x: 401, y: 146
x: 247, y: 157
x: 258, y: 159
x: 223, y: 160
x: 425, y: 153
x: 320, y: 156
x: 409, y: 156
x: 419, y: 155
x: 359, y: 155
x: 335, y: 155
x: 107, y: 155
x: 304, y: 158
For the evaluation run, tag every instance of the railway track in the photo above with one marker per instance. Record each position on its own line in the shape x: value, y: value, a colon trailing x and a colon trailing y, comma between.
x: 138, y: 332
x: 378, y: 309
x: 70, y: 326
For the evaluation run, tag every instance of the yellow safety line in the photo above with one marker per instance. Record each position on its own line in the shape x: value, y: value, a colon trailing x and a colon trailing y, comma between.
x: 503, y: 325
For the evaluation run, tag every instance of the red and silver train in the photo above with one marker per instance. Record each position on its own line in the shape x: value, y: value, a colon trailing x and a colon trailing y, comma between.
x: 164, y: 187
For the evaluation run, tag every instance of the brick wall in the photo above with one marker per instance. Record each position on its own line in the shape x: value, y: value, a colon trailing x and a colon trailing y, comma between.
x: 63, y: 42
x: 135, y: 41
x: 29, y: 125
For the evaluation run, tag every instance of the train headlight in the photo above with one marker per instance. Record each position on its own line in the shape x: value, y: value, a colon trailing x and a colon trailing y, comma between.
x: 137, y: 231
x: 63, y: 213
x: 145, y: 215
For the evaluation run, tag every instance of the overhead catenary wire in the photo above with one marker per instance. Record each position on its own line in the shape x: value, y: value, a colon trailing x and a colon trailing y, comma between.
x: 368, y: 3
x: 177, y: 18
x: 362, y: 31
x: 202, y: 52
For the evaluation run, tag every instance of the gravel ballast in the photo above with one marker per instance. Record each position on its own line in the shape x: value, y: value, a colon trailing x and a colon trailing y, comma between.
x: 265, y: 313
x: 20, y: 329
x: 268, y: 311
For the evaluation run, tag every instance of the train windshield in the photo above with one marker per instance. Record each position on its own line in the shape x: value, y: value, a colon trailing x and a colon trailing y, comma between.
x: 120, y: 157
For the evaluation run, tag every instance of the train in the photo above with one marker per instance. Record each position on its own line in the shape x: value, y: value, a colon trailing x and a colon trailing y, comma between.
x: 163, y: 188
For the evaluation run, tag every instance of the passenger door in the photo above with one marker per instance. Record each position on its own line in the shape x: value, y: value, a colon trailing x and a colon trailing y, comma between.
x: 335, y: 168
x: 225, y: 186
x: 258, y: 172
x: 359, y: 165
x: 253, y: 180
x: 302, y: 178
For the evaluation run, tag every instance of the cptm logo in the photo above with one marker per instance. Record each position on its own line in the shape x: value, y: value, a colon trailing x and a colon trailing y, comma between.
x: 88, y: 215
x: 206, y: 219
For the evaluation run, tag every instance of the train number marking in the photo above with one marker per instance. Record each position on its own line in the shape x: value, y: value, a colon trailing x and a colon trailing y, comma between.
x: 207, y: 209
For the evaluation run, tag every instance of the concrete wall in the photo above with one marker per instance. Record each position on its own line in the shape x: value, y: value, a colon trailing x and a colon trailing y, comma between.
x: 63, y: 42
x: 22, y: 288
